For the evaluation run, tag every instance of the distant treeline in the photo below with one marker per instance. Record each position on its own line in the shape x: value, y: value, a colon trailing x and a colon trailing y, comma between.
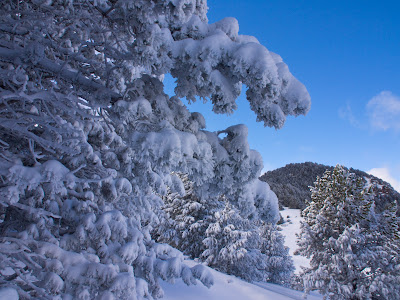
x: 291, y: 184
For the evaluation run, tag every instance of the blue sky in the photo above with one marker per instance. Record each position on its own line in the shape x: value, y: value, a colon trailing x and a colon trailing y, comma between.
x: 347, y: 53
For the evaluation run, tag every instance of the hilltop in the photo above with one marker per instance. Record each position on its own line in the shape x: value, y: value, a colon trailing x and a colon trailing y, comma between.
x: 291, y: 184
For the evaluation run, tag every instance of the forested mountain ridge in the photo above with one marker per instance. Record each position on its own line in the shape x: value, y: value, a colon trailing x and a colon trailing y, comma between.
x: 291, y: 184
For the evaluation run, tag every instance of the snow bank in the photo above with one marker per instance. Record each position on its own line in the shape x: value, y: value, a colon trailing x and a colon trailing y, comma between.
x: 290, y: 228
x: 228, y: 287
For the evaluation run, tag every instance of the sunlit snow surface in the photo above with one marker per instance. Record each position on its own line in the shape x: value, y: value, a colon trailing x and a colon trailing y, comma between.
x: 228, y: 287
x: 289, y: 229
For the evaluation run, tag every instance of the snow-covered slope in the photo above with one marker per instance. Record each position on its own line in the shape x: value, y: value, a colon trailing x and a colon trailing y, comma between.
x: 289, y: 229
x: 228, y: 287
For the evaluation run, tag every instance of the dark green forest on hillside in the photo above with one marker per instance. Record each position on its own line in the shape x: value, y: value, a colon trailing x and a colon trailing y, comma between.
x: 291, y: 184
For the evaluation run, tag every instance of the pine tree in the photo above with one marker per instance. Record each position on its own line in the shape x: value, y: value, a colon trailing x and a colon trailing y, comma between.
x: 354, y: 250
x: 89, y: 139
x: 226, y: 237
x: 216, y: 233
x: 279, y: 264
x: 185, y: 218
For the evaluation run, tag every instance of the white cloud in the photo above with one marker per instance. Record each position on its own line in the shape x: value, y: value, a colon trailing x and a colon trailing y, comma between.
x: 384, y: 174
x: 384, y: 111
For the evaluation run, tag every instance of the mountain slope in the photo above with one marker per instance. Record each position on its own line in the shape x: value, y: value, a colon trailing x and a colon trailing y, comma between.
x: 291, y: 184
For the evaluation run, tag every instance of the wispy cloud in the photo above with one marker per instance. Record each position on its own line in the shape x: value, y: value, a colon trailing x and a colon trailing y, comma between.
x: 383, y: 111
x: 385, y: 174
x: 347, y: 114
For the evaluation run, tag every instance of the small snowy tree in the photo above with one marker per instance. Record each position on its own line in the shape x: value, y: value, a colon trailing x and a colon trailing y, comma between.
x: 216, y: 233
x: 251, y: 250
x: 226, y: 237
x: 279, y: 264
x: 185, y: 218
x: 89, y: 139
x: 354, y: 251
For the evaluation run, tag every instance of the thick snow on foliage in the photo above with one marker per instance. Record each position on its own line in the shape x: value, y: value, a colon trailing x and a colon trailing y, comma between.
x: 89, y: 141
x: 354, y: 249
x: 214, y: 232
x: 8, y: 294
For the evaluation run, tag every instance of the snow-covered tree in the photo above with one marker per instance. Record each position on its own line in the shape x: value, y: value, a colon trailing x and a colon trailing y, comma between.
x: 354, y: 250
x: 216, y: 233
x: 279, y: 264
x: 257, y: 251
x: 89, y: 140
x: 227, y: 235
x: 185, y: 219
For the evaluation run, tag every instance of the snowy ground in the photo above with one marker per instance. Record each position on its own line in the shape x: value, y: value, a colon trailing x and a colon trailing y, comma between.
x: 228, y: 287
x: 289, y: 229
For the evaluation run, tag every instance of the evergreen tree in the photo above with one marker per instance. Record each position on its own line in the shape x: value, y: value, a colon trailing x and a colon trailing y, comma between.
x: 89, y: 139
x: 185, y: 218
x: 226, y: 237
x: 216, y: 233
x: 354, y: 250
x: 279, y: 264
x: 291, y: 185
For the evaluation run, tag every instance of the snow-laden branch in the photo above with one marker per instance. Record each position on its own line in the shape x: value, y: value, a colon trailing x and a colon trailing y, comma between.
x: 59, y: 71
x: 82, y: 181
